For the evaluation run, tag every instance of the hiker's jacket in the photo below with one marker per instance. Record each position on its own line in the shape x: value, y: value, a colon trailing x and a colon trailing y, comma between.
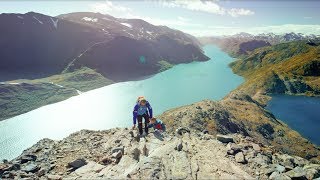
x: 141, y: 110
x: 158, y: 125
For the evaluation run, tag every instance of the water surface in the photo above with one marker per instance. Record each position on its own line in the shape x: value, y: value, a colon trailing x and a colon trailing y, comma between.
x: 112, y: 106
x: 301, y: 113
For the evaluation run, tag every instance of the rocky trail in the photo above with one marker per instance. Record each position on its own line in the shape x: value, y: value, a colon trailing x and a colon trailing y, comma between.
x: 183, y: 154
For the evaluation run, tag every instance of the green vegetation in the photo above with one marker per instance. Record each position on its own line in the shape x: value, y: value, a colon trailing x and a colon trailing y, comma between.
x: 21, y: 96
x: 17, y: 99
x: 291, y: 68
x: 164, y: 65
x: 83, y: 79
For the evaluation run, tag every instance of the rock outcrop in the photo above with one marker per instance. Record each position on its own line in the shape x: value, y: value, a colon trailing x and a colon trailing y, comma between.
x: 239, y: 113
x: 116, y: 154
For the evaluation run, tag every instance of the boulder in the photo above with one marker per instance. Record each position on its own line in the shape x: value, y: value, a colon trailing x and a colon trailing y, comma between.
x: 256, y: 147
x: 41, y: 172
x: 28, y: 157
x: 206, y: 137
x: 106, y: 160
x: 179, y: 146
x: 233, y: 148
x: 262, y: 159
x: 182, y: 130
x: 116, y: 149
x: 274, y: 168
x: 297, y: 172
x: 90, y: 168
x: 312, y: 171
x: 224, y: 138
x: 136, y: 154
x: 277, y: 175
x: 54, y: 177
x: 77, y: 163
x: 299, y: 161
x: 274, y: 175
x: 279, y: 168
x: 284, y: 160
x: 117, y: 154
x: 239, y: 157
x: 3, y: 167
x: 32, y: 167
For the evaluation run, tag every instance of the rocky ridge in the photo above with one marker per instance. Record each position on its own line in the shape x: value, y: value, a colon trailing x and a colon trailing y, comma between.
x: 119, y: 154
x: 213, y: 140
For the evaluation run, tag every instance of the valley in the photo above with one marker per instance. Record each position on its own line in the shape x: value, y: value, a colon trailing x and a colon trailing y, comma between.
x: 80, y: 52
x: 226, y: 89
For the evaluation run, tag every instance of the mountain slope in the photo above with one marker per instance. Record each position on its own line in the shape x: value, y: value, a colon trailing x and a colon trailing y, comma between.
x: 242, y: 43
x: 136, y: 45
x: 291, y: 68
x: 82, y: 51
x: 239, y: 113
x: 35, y: 45
x: 21, y: 96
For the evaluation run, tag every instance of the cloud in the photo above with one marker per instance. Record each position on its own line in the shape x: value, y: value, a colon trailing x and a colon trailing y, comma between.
x: 183, y: 19
x: 276, y: 29
x: 117, y: 10
x: 109, y: 7
x: 240, y: 12
x: 207, y: 6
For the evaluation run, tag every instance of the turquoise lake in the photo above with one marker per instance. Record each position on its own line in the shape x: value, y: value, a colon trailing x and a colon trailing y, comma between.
x: 301, y: 113
x: 112, y: 106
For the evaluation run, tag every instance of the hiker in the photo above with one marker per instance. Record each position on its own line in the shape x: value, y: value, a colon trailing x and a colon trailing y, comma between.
x: 157, y: 125
x: 142, y: 110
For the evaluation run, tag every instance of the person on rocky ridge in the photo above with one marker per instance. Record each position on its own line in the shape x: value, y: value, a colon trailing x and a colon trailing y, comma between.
x: 142, y: 109
x: 157, y: 125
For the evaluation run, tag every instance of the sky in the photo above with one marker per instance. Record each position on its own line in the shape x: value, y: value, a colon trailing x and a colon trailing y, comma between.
x: 197, y: 17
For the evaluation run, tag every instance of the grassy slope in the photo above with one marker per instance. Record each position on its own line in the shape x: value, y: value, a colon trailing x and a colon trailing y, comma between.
x: 269, y: 69
x: 27, y: 95
x: 164, y: 65
x: 239, y: 113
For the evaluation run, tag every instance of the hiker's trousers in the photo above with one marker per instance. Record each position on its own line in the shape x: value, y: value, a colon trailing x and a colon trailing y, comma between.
x: 146, y: 122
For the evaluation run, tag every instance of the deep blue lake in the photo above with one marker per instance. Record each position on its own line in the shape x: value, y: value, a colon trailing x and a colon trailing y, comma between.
x: 112, y: 106
x: 301, y: 113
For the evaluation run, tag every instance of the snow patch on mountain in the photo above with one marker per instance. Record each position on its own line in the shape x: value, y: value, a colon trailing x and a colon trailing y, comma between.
x: 55, y: 23
x: 127, y: 24
x: 20, y: 17
x: 37, y: 20
x: 90, y: 19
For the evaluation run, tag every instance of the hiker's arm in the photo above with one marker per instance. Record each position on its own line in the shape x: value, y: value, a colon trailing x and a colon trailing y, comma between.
x: 135, y: 113
x: 149, y: 109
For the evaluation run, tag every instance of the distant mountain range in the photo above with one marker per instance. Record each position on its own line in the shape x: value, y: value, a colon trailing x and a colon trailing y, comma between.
x: 34, y: 45
x: 242, y: 43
